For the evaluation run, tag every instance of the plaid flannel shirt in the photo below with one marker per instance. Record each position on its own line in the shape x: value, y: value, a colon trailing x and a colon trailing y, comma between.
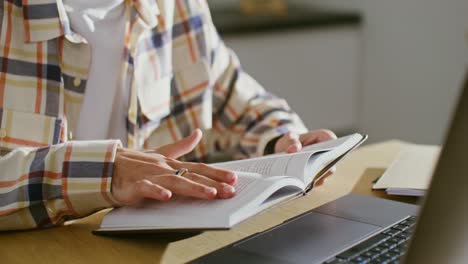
x: 180, y: 76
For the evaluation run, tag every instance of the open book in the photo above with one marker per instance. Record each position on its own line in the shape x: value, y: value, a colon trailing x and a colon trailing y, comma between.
x: 263, y: 182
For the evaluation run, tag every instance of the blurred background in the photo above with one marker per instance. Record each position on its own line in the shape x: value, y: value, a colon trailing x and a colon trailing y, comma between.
x: 388, y: 68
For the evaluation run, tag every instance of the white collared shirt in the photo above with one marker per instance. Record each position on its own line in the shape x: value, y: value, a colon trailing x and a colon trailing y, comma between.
x: 102, y: 24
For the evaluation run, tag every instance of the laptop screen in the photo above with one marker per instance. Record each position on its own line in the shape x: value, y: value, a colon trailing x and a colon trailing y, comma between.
x: 442, y: 232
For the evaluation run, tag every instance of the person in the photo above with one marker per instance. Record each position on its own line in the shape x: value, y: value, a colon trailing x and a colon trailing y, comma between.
x: 103, y: 104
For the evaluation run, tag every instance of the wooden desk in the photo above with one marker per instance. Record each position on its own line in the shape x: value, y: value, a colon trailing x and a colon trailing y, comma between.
x: 74, y: 242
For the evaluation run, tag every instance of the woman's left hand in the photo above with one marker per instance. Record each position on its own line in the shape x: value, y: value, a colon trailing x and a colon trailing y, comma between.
x: 292, y: 142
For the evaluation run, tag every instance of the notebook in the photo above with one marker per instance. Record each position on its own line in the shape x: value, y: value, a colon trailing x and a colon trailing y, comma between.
x: 410, y: 173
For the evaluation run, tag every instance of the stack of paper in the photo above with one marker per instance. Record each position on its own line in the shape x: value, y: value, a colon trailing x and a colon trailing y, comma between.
x: 411, y: 173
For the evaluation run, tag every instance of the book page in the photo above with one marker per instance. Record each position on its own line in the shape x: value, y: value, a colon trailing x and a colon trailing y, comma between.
x: 266, y: 166
x: 269, y: 166
x: 296, y: 165
x: 319, y: 164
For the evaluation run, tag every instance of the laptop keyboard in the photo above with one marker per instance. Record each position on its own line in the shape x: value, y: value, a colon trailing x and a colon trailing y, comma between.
x: 384, y: 248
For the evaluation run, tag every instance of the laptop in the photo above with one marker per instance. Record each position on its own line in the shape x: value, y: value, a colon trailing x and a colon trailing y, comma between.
x: 362, y: 229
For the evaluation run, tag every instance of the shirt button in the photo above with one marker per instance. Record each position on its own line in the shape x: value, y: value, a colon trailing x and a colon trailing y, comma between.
x: 77, y: 81
x: 3, y: 133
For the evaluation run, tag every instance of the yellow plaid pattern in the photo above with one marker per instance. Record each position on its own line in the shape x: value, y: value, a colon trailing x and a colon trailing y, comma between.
x: 180, y: 76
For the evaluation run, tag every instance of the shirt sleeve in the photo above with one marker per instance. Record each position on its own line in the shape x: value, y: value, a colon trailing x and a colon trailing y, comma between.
x: 43, y: 187
x: 245, y: 116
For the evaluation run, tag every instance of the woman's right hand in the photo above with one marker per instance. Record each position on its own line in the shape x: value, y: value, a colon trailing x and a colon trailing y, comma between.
x: 151, y: 174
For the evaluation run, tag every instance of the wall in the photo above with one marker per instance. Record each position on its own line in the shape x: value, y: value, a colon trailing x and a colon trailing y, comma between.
x: 415, y: 55
x: 317, y: 71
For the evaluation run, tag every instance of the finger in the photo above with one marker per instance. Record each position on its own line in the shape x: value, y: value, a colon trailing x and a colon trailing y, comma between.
x: 289, y: 140
x: 211, y: 172
x: 310, y: 138
x: 329, y: 173
x: 183, y: 186
x: 224, y: 190
x: 317, y: 136
x: 324, y: 178
x: 293, y: 144
x: 294, y: 147
x: 181, y: 147
x: 147, y: 189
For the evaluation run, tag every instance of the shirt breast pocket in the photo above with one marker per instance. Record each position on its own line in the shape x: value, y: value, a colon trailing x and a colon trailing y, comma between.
x: 22, y: 129
x: 185, y: 93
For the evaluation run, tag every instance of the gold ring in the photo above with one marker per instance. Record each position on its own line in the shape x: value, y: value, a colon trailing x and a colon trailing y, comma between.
x: 181, y: 172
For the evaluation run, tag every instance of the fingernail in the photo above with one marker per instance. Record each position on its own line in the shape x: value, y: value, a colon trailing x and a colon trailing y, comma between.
x: 228, y: 189
x: 211, y: 191
x: 232, y: 177
x: 294, y: 148
x: 166, y: 194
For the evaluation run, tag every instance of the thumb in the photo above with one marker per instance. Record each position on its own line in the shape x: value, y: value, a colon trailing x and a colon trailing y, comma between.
x: 182, y: 146
x: 289, y: 143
